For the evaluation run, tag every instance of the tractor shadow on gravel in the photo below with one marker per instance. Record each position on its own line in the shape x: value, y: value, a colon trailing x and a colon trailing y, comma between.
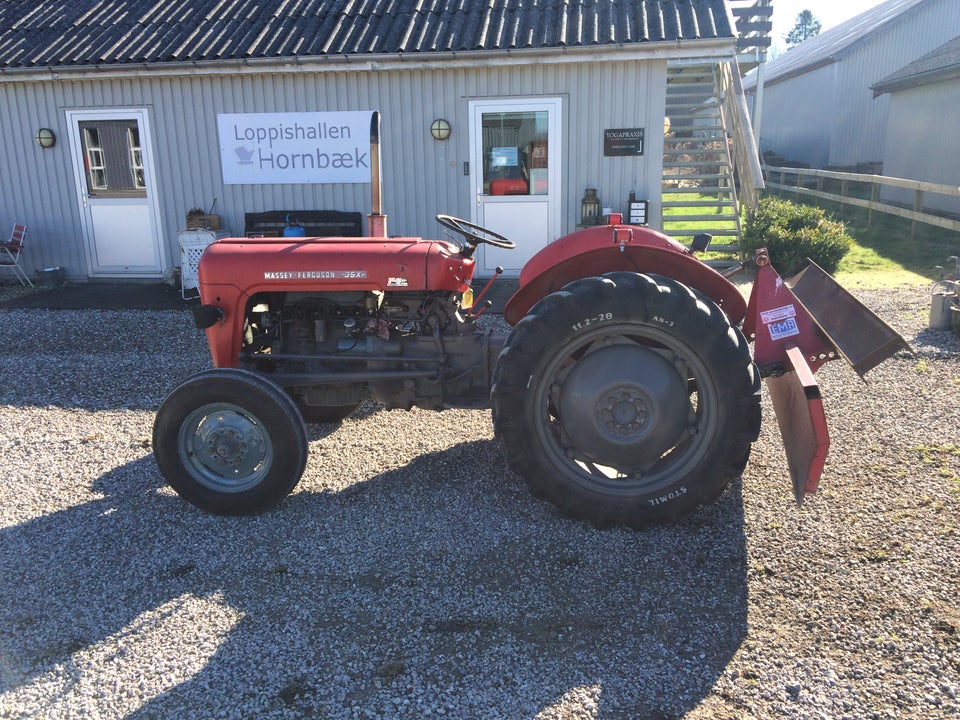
x: 440, y: 584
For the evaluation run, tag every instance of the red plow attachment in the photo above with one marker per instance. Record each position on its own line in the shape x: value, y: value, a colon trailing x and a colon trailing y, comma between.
x: 798, y: 325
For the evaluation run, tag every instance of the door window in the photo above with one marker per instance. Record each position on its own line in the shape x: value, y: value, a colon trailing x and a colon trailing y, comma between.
x: 96, y: 165
x: 515, y: 153
x: 136, y: 157
x: 113, y: 158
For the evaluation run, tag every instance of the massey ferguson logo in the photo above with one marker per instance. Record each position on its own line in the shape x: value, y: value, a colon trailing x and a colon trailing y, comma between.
x: 315, y: 275
x: 396, y: 282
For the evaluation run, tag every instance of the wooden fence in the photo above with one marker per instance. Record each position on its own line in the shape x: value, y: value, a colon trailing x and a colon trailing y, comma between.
x: 804, y: 181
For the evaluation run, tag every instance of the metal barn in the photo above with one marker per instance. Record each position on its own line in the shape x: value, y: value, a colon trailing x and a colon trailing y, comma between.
x: 923, y: 126
x: 818, y: 108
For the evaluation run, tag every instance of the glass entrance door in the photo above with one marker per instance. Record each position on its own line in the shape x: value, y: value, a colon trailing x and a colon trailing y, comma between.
x: 515, y: 172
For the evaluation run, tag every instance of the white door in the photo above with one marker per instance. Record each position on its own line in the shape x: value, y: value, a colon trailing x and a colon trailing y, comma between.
x: 515, y: 173
x: 113, y: 169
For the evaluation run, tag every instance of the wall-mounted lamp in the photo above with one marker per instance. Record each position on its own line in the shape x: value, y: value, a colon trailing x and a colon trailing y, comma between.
x: 46, y: 138
x: 666, y: 126
x: 440, y: 129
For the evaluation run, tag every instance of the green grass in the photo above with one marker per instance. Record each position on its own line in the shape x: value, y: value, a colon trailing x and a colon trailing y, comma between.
x: 685, y: 229
x: 696, y: 225
x: 887, y: 251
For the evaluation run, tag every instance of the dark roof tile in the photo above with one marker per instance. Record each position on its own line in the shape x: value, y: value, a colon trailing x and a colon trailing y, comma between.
x: 57, y: 33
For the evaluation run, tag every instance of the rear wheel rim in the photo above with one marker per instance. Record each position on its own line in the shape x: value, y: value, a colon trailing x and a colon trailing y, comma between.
x: 618, y: 414
x: 225, y: 448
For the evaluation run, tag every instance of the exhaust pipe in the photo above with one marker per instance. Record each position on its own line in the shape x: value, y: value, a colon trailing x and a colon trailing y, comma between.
x: 376, y: 222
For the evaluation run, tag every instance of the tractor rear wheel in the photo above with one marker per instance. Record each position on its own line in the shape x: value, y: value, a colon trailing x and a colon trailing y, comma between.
x: 626, y: 399
x: 230, y: 441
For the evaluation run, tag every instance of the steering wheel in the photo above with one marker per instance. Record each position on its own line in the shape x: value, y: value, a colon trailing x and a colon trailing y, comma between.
x: 474, y: 234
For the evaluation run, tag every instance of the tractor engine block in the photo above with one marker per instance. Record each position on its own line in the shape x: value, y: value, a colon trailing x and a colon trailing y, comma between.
x: 398, y: 348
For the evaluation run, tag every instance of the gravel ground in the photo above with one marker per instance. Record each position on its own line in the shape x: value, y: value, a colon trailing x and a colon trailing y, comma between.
x: 410, y: 575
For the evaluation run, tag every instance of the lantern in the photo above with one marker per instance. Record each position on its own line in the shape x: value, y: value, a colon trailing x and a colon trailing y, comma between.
x: 590, y: 208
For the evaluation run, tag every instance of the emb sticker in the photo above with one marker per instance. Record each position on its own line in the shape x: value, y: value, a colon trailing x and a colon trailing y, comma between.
x: 781, y: 321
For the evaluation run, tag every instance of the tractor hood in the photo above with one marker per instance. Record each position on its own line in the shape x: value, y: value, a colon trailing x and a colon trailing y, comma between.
x: 254, y: 265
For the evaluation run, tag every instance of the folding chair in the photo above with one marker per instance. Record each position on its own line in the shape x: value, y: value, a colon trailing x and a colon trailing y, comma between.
x: 10, y: 253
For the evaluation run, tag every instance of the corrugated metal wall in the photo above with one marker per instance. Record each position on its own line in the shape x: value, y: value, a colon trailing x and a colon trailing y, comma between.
x: 803, y: 114
x: 859, y: 125
x: 796, y: 117
x: 422, y: 177
x: 36, y: 186
x: 922, y: 142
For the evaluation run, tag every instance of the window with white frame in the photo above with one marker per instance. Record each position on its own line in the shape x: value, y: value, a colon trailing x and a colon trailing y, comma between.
x: 113, y: 157
x: 136, y: 157
x: 95, y: 159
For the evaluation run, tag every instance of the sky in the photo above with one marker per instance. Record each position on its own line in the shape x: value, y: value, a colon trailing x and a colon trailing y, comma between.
x: 828, y: 12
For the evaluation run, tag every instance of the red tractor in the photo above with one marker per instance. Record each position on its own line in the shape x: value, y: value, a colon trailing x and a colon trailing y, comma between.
x: 626, y: 392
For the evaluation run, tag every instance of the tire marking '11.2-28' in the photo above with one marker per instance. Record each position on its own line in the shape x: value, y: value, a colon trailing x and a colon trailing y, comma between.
x: 590, y: 320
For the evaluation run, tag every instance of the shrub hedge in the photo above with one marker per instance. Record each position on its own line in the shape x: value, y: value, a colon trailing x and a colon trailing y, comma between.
x: 792, y: 233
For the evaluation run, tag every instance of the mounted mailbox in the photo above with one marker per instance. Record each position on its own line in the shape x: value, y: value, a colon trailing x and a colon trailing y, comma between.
x: 637, y: 211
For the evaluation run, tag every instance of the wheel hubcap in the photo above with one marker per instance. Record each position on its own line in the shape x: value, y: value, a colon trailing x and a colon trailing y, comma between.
x: 625, y: 411
x: 225, y: 448
x: 623, y: 406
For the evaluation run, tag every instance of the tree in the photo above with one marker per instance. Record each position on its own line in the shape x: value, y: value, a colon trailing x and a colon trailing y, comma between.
x: 806, y: 27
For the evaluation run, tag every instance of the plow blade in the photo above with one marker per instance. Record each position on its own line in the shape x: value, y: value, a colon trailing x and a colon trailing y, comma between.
x: 858, y: 334
x: 803, y: 425
x: 797, y: 326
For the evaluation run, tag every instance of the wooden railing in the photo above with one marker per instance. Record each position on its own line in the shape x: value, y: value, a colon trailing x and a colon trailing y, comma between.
x: 808, y: 182
x: 743, y: 148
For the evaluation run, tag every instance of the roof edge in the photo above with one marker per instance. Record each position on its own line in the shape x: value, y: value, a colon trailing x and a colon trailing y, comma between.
x: 916, y: 80
x: 838, y: 53
x: 823, y: 62
x: 714, y: 48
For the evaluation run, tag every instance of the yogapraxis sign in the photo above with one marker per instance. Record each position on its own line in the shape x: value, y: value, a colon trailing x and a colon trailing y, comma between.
x: 273, y: 148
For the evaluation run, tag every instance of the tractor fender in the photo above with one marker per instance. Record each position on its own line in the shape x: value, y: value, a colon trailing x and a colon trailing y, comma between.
x: 608, y: 248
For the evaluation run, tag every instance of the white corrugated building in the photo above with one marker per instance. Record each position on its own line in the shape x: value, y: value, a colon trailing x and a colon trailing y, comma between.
x: 923, y: 125
x: 144, y: 98
x: 818, y: 108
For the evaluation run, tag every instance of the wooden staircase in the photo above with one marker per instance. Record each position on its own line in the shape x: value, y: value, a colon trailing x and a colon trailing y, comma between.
x: 711, y: 169
x: 698, y: 193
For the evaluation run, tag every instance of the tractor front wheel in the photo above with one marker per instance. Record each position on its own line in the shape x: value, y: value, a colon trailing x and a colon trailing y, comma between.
x: 230, y: 441
x: 626, y: 399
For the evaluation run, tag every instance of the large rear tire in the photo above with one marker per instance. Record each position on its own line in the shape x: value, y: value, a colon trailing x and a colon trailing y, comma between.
x: 230, y: 441
x: 626, y: 400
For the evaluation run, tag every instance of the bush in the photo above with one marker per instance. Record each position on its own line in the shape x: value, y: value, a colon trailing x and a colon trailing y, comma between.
x: 792, y: 233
